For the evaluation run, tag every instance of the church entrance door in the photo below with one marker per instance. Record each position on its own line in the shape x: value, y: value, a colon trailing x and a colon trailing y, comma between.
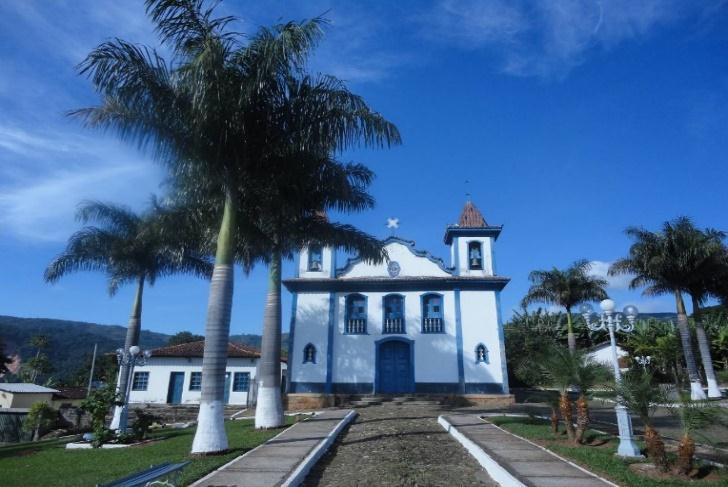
x: 395, y: 367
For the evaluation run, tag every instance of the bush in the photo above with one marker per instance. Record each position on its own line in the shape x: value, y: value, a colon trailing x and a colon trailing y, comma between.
x: 143, y: 422
x: 97, y: 404
x: 40, y: 419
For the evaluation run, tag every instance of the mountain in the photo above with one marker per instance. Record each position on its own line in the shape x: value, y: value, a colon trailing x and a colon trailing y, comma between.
x: 72, y: 342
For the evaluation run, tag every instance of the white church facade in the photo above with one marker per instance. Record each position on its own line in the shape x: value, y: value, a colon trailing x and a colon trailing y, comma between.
x: 411, y: 325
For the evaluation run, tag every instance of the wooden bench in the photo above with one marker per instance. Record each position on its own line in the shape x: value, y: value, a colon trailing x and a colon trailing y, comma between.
x: 151, y: 477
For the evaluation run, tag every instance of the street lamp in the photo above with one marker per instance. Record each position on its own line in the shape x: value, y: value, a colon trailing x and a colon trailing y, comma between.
x: 643, y: 360
x: 129, y: 360
x: 614, y: 322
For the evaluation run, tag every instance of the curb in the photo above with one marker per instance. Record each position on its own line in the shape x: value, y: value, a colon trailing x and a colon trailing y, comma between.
x: 502, y: 476
x: 299, y: 474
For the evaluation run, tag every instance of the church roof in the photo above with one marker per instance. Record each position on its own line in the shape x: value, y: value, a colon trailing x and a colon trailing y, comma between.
x: 471, y: 217
x: 195, y: 349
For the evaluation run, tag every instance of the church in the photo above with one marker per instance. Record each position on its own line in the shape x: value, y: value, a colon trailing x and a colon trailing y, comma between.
x: 411, y: 325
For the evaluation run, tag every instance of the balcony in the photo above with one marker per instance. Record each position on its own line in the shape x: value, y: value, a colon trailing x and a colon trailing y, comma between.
x: 356, y: 326
x: 432, y: 325
x: 393, y: 325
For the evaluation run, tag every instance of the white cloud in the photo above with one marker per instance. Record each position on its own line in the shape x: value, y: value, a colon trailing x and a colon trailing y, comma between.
x: 601, y: 269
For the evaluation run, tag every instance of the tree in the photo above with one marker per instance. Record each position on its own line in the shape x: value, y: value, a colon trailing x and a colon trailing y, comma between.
x: 211, y: 116
x: 97, y: 404
x: 5, y: 359
x: 587, y: 374
x: 694, y: 416
x: 130, y: 247
x: 665, y: 262
x: 184, y: 337
x: 565, y: 288
x: 40, y: 418
x: 40, y: 364
x: 639, y: 394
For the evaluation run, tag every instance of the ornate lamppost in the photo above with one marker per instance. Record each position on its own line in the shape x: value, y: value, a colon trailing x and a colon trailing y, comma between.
x: 643, y: 360
x: 130, y: 359
x: 611, y: 321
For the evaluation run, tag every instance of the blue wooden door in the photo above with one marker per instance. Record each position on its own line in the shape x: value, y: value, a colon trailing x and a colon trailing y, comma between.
x: 227, y: 387
x: 176, y: 384
x: 395, y: 368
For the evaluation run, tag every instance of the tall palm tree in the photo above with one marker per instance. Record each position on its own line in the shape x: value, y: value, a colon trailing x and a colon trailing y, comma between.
x: 130, y: 248
x: 667, y: 262
x: 565, y: 288
x: 211, y: 115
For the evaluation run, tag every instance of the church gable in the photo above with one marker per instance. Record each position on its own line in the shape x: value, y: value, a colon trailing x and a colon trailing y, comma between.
x: 404, y: 261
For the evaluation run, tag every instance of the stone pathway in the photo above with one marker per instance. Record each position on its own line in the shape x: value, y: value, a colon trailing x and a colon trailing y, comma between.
x: 397, y: 445
x: 281, y: 458
x: 513, y: 461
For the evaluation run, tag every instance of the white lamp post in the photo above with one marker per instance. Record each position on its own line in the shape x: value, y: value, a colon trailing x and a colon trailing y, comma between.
x: 129, y: 359
x: 613, y: 322
x: 643, y: 360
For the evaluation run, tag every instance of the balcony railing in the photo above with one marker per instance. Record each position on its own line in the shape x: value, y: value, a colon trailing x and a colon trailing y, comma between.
x: 432, y: 325
x: 393, y: 325
x: 356, y: 326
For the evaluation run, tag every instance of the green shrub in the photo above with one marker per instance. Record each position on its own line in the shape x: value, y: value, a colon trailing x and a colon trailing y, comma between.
x: 97, y: 404
x: 41, y: 417
x: 144, y: 421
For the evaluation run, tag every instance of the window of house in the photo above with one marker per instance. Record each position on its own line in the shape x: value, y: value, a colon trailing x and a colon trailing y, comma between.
x: 309, y: 354
x: 314, y: 259
x: 241, y: 381
x: 481, y: 354
x: 196, y: 381
x: 475, y: 256
x: 393, y: 314
x: 432, y: 314
x: 356, y: 314
x: 140, y: 381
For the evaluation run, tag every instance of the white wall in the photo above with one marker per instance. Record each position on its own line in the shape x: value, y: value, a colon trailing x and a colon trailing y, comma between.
x: 479, y: 314
x: 462, y: 249
x: 160, y: 369
x: 312, y: 325
x: 410, y: 265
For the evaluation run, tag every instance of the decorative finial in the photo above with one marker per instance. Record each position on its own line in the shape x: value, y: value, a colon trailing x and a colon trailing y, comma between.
x: 393, y: 224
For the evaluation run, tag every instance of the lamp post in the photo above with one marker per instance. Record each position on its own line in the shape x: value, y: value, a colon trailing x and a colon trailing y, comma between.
x: 612, y: 322
x: 129, y: 359
x: 643, y: 360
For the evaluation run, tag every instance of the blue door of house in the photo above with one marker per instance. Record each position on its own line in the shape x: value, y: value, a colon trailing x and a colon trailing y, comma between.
x: 395, y: 367
x: 227, y: 387
x: 176, y: 384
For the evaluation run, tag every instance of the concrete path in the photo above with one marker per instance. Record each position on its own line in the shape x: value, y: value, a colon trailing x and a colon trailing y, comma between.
x: 512, y: 461
x: 285, y: 459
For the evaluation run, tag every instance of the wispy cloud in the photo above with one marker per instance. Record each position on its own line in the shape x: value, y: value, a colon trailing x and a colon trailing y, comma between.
x: 600, y: 268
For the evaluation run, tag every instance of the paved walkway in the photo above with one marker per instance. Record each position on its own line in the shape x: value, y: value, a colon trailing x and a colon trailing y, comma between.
x: 512, y: 461
x: 397, y: 445
x: 281, y: 458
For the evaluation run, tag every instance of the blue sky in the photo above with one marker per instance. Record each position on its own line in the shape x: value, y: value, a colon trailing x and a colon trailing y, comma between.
x: 570, y: 119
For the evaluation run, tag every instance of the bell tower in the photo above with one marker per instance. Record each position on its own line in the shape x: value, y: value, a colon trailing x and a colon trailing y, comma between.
x: 471, y: 243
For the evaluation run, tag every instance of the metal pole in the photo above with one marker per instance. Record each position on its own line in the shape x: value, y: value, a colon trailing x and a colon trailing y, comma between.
x: 627, y: 446
x: 91, y: 375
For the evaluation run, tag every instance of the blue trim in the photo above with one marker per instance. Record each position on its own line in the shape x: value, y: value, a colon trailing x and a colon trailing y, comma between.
x: 377, y: 345
x: 459, y: 340
x: 401, y: 284
x: 404, y: 313
x: 291, y: 334
x: 305, y: 353
x: 410, y: 244
x: 502, y: 342
x: 419, y: 388
x: 453, y: 230
x: 456, y: 263
x: 423, y: 313
x: 366, y: 313
x: 330, y: 342
x: 486, y: 352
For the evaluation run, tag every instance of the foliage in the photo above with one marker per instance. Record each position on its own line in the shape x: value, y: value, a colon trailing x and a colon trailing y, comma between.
x: 526, y: 334
x: 5, y: 359
x: 694, y: 416
x: 184, y: 337
x: 98, y: 404
x: 105, y: 370
x: 144, y: 420
x: 41, y: 417
x: 49, y: 462
x: 661, y: 342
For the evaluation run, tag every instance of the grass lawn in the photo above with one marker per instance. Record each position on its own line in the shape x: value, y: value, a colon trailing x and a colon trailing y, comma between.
x: 598, y: 456
x: 51, y: 464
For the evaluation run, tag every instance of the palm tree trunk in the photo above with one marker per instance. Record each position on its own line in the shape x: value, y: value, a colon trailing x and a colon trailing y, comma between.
x: 210, y: 436
x: 132, y: 338
x: 655, y: 448
x: 704, y: 347
x: 570, y: 328
x: 582, y: 417
x: 566, y: 415
x: 696, y: 388
x: 269, y: 407
x: 685, y: 455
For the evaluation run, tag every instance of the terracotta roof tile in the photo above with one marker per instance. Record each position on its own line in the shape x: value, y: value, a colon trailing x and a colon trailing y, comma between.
x: 195, y: 349
x: 471, y: 217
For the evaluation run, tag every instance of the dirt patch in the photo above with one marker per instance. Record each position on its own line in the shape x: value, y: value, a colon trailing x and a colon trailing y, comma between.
x: 391, y: 445
x: 706, y: 472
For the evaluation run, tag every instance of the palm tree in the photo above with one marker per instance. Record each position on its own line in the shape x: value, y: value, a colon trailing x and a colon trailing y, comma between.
x: 212, y: 115
x: 694, y: 416
x: 638, y: 393
x: 565, y: 288
x: 129, y: 248
x: 669, y: 261
x: 587, y: 374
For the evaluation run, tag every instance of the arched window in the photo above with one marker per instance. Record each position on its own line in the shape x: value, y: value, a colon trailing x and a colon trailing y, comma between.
x: 475, y: 255
x: 393, y: 314
x: 309, y: 354
x: 481, y: 354
x: 314, y: 259
x: 356, y: 315
x: 432, y: 314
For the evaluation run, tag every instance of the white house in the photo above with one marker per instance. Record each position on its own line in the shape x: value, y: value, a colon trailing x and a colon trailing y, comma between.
x: 602, y: 353
x: 409, y: 325
x: 173, y: 375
